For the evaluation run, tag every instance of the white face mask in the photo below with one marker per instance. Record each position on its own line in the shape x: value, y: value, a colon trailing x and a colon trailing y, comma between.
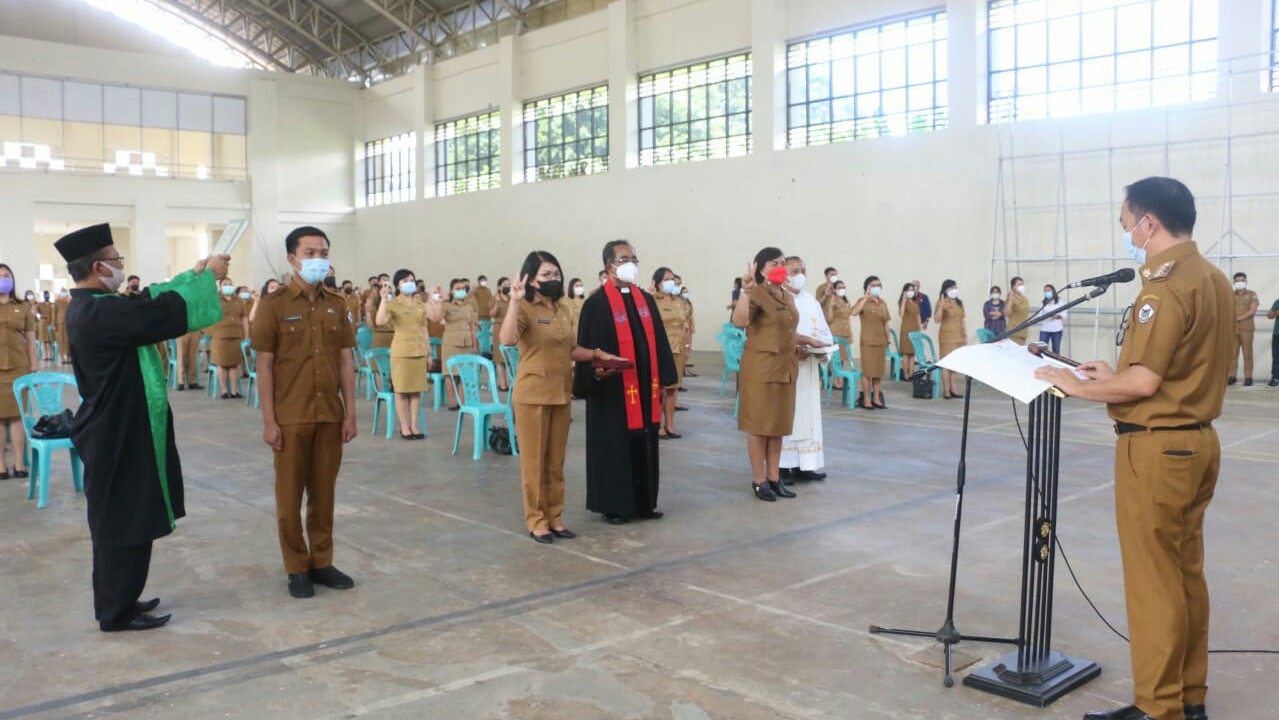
x: 995, y: 296
x: 628, y: 272
x: 579, y: 291
x: 910, y: 294
x: 1241, y: 285
x: 797, y: 281
x: 952, y: 293
x: 1020, y: 289
x: 117, y: 277
x: 484, y: 283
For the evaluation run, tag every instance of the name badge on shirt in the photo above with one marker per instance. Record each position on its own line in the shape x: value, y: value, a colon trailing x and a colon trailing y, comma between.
x: 544, y: 321
x: 332, y: 311
x: 293, y: 318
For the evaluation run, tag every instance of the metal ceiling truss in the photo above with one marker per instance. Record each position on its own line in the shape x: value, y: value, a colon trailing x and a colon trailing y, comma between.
x: 301, y: 36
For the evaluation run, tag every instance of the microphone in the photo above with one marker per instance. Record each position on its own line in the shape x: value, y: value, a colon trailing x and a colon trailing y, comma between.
x: 1121, y: 275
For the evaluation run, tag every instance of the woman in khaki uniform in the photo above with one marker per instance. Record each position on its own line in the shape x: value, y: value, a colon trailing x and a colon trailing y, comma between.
x: 401, y: 309
x: 953, y: 334
x: 540, y: 323
x: 44, y: 329
x: 383, y: 335
x: 60, y: 326
x: 18, y: 357
x: 460, y: 327
x: 674, y: 313
x: 769, y: 368
x: 501, y: 303
x: 225, y: 338
x: 908, y: 311
x: 575, y: 299
x: 839, y: 312
x: 874, y: 315
x: 1018, y: 308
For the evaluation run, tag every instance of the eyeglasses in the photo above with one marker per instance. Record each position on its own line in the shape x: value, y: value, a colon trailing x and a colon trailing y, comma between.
x: 618, y: 262
x: 550, y: 276
x: 117, y: 258
x: 1123, y: 327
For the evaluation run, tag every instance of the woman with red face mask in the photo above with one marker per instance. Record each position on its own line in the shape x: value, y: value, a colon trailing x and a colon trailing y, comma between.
x: 769, y: 368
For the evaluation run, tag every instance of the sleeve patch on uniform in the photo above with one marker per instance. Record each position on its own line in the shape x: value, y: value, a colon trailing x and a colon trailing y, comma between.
x: 1145, y: 314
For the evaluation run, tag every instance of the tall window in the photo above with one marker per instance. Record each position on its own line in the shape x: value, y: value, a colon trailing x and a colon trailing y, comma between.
x: 467, y: 154
x: 566, y: 135
x: 1274, y: 47
x: 1056, y: 58
x: 389, y: 170
x: 697, y: 112
x: 883, y: 79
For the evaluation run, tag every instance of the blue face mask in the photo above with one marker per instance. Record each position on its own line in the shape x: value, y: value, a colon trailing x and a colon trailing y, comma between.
x: 314, y: 270
x: 460, y: 293
x: 1137, y: 254
x: 408, y: 288
x: 228, y: 290
x: 668, y: 287
x: 876, y: 291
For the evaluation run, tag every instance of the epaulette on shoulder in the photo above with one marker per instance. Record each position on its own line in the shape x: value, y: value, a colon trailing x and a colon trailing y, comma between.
x: 1159, y: 273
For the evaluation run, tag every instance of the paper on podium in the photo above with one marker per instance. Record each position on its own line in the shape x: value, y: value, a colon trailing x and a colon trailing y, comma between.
x: 1005, y: 365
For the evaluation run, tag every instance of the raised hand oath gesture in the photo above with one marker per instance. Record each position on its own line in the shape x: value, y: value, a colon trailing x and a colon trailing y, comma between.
x: 748, y: 280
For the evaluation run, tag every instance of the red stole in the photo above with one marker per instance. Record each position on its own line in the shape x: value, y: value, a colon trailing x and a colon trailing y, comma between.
x: 626, y: 349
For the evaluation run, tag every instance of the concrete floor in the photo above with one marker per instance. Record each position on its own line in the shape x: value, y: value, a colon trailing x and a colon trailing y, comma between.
x: 728, y: 608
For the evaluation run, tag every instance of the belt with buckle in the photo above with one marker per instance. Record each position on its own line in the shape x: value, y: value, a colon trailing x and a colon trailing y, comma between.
x: 1123, y: 428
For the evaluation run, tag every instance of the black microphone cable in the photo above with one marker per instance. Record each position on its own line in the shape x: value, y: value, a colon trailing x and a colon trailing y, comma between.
x: 1078, y: 585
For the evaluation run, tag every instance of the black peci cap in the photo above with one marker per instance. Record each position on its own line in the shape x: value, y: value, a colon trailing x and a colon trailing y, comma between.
x: 84, y: 242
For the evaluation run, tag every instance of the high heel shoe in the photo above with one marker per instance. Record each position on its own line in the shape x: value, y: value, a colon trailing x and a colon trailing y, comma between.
x: 764, y: 492
x: 861, y: 402
x: 403, y: 436
x: 881, y: 405
x: 780, y: 490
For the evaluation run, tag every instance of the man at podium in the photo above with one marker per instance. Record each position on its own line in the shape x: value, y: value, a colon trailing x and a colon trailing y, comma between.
x: 1175, y: 355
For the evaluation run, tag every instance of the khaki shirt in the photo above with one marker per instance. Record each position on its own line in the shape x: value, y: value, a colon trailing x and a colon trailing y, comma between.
x: 674, y: 318
x: 407, y: 316
x: 16, y: 321
x: 839, y: 313
x: 769, y: 354
x: 355, y: 307
x: 874, y: 317
x: 546, y: 342
x: 1018, y: 311
x: 1179, y: 328
x: 459, y: 323
x: 234, y: 312
x: 1243, y: 301
x: 953, y: 330
x: 483, y: 301
x: 307, y: 339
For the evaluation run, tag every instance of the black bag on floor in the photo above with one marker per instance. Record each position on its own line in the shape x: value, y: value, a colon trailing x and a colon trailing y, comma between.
x: 922, y: 385
x: 500, y: 440
x: 53, y: 427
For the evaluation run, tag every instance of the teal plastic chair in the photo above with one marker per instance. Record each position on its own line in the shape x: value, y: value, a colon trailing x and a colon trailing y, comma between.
x: 842, y: 365
x: 926, y: 358
x: 731, y: 347
x: 53, y: 348
x: 251, y: 399
x: 212, y: 385
x: 379, y: 359
x: 437, y: 379
x: 511, y: 356
x: 893, y: 355
x: 486, y: 326
x: 363, y: 373
x: 985, y: 335
x: 41, y: 394
x: 171, y: 346
x: 485, y: 340
x: 467, y: 370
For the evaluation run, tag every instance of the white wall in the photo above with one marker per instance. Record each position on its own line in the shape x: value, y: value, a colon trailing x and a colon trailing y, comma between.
x: 921, y: 207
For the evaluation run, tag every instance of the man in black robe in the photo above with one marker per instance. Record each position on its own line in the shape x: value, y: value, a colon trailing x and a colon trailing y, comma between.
x: 123, y: 430
x: 623, y: 407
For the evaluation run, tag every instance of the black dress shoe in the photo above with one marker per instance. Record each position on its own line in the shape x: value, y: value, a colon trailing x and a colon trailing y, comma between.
x: 195, y: 386
x: 1132, y: 712
x: 1274, y: 382
x: 148, y: 606
x: 674, y: 436
x: 181, y: 388
x: 546, y: 539
x: 419, y: 436
x: 142, y: 621
x: 786, y: 473
x: 810, y: 475
x: 20, y: 474
x: 407, y: 437
x: 331, y: 577
x: 565, y: 534
x: 764, y: 491
x: 300, y: 585
x: 1231, y: 381
x: 614, y: 519
x: 1195, y: 712
x: 780, y: 490
x: 4, y: 475
x: 1247, y: 383
x: 680, y: 408
x: 652, y: 515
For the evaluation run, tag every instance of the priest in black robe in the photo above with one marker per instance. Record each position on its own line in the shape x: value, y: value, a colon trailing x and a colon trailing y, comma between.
x: 123, y: 430
x: 623, y: 407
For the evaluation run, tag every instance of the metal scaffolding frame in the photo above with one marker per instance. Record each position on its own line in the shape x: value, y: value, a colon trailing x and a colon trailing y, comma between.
x: 1229, y: 247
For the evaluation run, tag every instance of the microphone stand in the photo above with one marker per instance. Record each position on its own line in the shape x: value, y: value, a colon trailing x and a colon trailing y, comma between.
x: 948, y: 635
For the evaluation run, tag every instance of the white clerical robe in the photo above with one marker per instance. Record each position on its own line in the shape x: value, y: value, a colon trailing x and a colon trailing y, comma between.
x: 803, y: 447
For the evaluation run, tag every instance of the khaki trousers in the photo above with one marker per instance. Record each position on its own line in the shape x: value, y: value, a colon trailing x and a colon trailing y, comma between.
x: 542, y: 431
x: 308, y: 465
x: 1243, y: 341
x: 1163, y: 484
x: 189, y: 359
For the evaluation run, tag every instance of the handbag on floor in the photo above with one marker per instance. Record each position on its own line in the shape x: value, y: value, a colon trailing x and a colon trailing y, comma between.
x: 922, y: 385
x: 500, y: 440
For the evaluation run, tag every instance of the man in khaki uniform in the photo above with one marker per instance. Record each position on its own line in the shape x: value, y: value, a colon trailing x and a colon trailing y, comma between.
x: 1246, y: 304
x: 1167, y: 390
x: 832, y: 277
x: 303, y: 337
x: 483, y: 297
